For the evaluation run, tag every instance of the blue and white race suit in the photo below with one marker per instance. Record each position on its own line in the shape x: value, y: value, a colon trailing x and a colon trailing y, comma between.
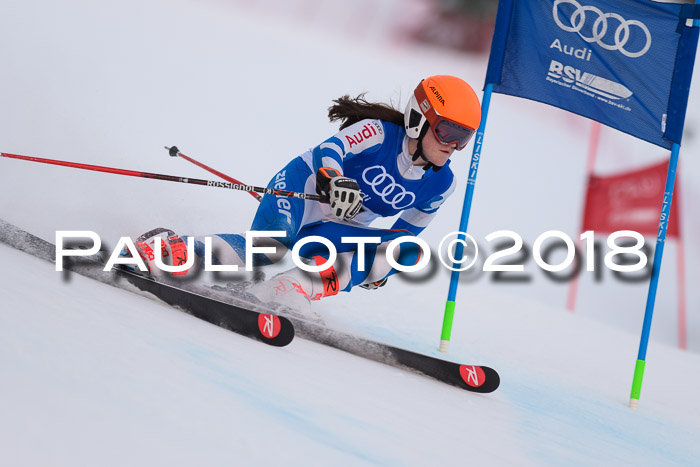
x: 375, y: 154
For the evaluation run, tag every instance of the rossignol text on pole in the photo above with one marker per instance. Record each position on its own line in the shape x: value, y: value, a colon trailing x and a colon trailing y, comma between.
x: 169, y: 178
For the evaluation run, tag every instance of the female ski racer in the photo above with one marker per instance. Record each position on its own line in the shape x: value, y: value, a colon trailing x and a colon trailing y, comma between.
x: 381, y: 163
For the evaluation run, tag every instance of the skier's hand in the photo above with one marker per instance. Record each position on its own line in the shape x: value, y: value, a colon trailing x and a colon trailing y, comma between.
x: 342, y: 193
x: 375, y: 285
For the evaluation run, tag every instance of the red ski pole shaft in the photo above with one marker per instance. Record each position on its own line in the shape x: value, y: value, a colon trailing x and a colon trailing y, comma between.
x: 175, y: 152
x: 169, y: 178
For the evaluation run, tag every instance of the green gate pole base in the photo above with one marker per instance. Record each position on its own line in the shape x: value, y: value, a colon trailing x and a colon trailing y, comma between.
x: 637, y: 383
x: 447, y: 326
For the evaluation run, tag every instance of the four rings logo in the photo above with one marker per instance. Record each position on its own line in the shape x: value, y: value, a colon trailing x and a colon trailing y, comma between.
x: 392, y: 193
x: 600, y: 27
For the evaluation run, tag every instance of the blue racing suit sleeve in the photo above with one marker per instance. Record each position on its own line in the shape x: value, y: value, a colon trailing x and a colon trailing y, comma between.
x: 363, y: 137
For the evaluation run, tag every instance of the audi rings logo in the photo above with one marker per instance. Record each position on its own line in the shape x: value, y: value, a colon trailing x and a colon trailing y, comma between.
x: 392, y: 193
x: 600, y: 27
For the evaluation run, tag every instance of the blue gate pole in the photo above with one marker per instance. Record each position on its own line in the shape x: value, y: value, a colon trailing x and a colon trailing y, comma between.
x: 656, y: 268
x: 466, y: 209
x: 655, y: 271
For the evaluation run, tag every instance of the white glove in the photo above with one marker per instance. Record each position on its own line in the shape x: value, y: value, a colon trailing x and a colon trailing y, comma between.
x: 345, y: 197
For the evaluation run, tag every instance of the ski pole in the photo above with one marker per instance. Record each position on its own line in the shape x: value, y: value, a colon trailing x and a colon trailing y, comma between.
x: 169, y: 178
x: 175, y: 152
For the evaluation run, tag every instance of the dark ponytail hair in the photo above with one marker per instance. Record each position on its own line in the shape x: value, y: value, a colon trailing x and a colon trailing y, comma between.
x: 349, y: 110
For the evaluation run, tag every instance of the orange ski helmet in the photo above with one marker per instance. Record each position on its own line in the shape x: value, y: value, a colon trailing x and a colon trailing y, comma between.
x: 446, y: 103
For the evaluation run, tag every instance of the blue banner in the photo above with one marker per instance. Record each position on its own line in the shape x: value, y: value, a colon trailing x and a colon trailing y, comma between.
x: 624, y: 63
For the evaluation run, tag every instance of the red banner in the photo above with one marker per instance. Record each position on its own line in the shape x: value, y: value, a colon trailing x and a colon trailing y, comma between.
x: 630, y: 201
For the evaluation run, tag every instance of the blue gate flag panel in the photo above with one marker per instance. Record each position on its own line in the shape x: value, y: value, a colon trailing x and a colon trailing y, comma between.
x: 624, y: 63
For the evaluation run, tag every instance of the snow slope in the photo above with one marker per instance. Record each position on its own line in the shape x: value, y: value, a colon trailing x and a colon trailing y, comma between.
x: 92, y: 375
x: 95, y: 375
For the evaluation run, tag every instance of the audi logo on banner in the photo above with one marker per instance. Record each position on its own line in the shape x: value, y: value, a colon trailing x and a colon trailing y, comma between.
x: 600, y: 26
x: 392, y: 193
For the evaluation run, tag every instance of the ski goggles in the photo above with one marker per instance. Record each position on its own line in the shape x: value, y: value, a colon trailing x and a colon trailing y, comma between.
x: 445, y: 130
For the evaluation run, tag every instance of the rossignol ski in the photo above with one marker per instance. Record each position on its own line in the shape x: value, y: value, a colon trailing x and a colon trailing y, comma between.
x: 233, y: 312
x: 264, y: 327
